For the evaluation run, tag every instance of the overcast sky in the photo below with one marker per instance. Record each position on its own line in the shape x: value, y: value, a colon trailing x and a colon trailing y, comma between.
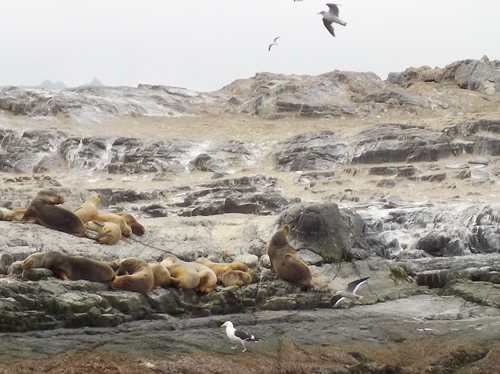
x: 206, y: 44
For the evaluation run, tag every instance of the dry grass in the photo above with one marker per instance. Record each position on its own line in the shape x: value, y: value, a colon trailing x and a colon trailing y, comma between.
x: 424, y: 356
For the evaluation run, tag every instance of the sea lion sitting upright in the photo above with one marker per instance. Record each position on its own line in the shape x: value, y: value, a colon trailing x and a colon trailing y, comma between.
x: 133, y: 274
x: 285, y: 261
x: 120, y: 221
x: 88, y: 210
x: 70, y: 267
x: 111, y: 231
x: 130, y: 220
x: 43, y: 210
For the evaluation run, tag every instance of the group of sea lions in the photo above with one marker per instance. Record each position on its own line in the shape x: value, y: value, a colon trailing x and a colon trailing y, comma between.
x: 201, y: 275
x: 45, y: 210
x: 135, y: 274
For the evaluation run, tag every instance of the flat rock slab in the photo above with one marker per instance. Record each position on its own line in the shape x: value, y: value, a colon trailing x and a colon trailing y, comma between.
x: 417, y: 317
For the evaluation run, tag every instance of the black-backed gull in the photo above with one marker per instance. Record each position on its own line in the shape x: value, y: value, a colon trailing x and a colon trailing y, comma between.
x: 273, y: 43
x: 238, y: 335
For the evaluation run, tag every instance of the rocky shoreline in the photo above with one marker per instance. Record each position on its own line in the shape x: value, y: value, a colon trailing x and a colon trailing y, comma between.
x: 396, y: 181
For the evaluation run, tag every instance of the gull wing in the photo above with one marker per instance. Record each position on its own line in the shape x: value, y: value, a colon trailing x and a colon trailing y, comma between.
x: 328, y: 26
x: 333, y: 9
x: 353, y: 286
x: 335, y: 299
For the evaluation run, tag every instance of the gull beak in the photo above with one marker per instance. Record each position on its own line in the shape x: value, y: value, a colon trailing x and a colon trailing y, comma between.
x: 223, y: 325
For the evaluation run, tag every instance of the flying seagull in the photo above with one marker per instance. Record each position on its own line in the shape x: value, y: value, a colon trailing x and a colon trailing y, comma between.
x: 331, y: 16
x: 238, y: 335
x: 349, y: 292
x: 273, y: 43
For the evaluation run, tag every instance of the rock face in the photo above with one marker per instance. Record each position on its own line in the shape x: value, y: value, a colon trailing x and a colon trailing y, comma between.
x: 408, y: 199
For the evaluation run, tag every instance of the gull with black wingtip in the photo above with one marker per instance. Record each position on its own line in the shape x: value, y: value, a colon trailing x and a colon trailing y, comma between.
x: 238, y: 335
x: 349, y: 292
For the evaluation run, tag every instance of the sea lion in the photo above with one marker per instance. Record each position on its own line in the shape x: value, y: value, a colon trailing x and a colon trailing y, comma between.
x: 43, y: 210
x: 6, y: 214
x: 133, y: 274
x: 88, y: 210
x: 183, y: 277
x: 236, y: 278
x: 208, y: 279
x: 219, y: 268
x: 120, y: 221
x: 130, y: 220
x: 70, y: 267
x: 285, y: 262
x: 161, y: 275
x: 19, y: 213
x: 111, y: 231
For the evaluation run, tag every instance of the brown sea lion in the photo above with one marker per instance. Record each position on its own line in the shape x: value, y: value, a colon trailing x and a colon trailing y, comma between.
x: 183, y: 277
x: 136, y: 227
x: 111, y: 231
x: 120, y: 221
x: 161, y: 275
x: 43, y: 210
x: 133, y: 274
x: 88, y: 210
x: 285, y: 261
x: 70, y: 267
x: 236, y: 278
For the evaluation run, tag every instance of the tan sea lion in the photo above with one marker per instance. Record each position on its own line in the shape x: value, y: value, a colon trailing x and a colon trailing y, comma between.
x: 219, y: 268
x: 133, y: 274
x: 130, y: 220
x: 161, y: 275
x: 236, y: 278
x: 182, y: 276
x: 19, y: 213
x: 285, y: 261
x: 208, y: 279
x: 70, y: 267
x: 120, y: 221
x: 111, y: 231
x: 43, y: 210
x: 88, y: 210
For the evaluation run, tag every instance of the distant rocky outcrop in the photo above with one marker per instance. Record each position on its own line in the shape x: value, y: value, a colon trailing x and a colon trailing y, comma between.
x: 58, y: 85
x: 93, y: 83
x: 336, y: 94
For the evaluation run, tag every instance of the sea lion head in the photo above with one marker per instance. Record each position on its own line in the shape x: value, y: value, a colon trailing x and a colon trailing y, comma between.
x: 96, y: 198
x: 280, y: 237
x: 49, y: 197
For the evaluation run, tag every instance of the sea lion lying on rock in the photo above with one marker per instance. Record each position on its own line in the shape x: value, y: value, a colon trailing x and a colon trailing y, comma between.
x: 161, y: 275
x: 219, y: 268
x: 130, y: 220
x: 70, y: 267
x: 189, y: 275
x: 236, y: 278
x: 133, y: 274
x: 111, y: 233
x: 43, y: 210
x: 285, y: 262
x: 120, y: 221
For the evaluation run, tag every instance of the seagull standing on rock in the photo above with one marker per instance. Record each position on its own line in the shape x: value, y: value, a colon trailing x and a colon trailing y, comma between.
x: 238, y: 335
x: 332, y: 16
x: 349, y: 292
